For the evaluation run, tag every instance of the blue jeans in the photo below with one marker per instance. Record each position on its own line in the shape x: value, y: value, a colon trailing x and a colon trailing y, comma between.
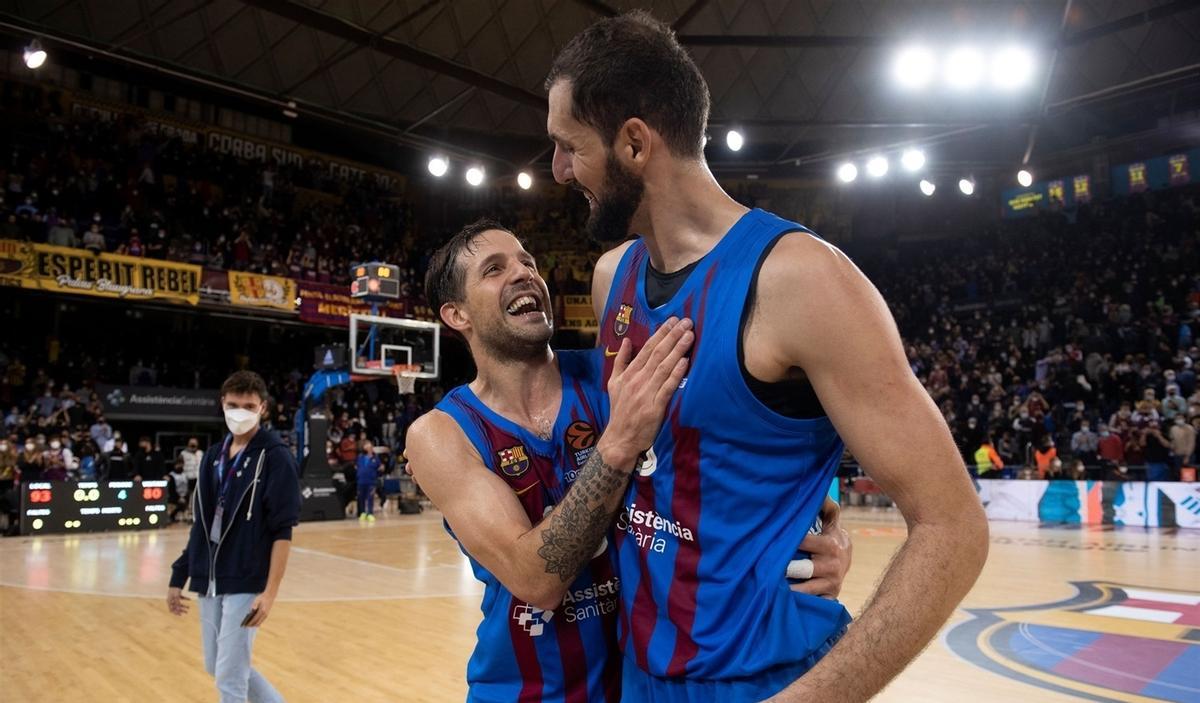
x: 227, y: 648
x: 1157, y: 471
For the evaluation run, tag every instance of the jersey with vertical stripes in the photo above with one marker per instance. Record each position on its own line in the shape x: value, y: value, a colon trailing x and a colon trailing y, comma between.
x: 715, y: 511
x: 524, y: 653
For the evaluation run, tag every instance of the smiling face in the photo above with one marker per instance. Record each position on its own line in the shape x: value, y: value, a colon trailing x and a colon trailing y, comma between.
x: 584, y: 161
x: 503, y: 303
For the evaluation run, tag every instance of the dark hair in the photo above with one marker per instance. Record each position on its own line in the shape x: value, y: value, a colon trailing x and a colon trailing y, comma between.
x: 245, y: 383
x: 445, y: 277
x: 631, y: 66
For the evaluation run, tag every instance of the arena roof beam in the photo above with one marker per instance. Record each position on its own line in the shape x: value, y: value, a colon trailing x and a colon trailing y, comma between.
x: 339, y: 27
x: 600, y: 7
x: 1137, y: 19
x: 688, y: 14
x: 788, y: 41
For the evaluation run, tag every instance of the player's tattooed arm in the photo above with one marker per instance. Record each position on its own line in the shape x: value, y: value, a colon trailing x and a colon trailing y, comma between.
x: 575, y: 529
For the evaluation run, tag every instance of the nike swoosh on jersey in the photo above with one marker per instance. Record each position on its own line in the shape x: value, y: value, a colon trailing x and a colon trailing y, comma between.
x: 610, y: 353
x: 527, y: 489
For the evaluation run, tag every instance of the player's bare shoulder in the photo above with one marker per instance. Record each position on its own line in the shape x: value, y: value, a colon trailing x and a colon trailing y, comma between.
x: 605, y: 269
x: 432, y: 436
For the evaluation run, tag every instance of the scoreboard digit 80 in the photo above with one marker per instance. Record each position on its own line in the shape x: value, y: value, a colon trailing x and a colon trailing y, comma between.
x: 58, y: 507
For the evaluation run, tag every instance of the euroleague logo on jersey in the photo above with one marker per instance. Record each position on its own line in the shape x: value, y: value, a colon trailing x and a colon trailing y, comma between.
x: 513, y: 461
x: 581, y: 438
x: 621, y: 324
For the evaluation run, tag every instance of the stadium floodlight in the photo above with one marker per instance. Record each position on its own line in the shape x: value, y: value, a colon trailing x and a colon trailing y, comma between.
x: 964, y: 68
x: 34, y: 55
x: 734, y: 140
x: 912, y: 159
x: 475, y: 175
x: 913, y: 67
x: 1012, y: 68
x: 1025, y: 178
x: 967, y: 186
x: 438, y: 166
x: 524, y: 180
x: 847, y: 172
x: 927, y: 187
x: 877, y: 166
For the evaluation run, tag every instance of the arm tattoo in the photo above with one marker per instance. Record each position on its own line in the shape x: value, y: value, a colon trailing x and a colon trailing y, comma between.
x: 578, y: 524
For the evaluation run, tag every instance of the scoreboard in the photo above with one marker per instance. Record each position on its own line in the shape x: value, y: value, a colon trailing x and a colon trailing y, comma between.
x: 58, y: 507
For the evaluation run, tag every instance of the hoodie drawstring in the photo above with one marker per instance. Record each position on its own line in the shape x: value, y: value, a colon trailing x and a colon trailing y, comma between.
x: 254, y: 486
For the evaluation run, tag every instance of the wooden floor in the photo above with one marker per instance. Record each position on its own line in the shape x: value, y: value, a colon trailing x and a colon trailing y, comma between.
x: 387, y: 612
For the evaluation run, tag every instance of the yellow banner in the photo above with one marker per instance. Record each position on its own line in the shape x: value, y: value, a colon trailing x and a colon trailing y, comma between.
x: 65, y: 270
x: 577, y: 313
x: 256, y: 290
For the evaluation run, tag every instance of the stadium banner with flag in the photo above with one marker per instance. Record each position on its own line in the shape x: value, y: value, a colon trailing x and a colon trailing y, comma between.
x: 325, y: 304
x: 80, y: 272
x: 259, y: 291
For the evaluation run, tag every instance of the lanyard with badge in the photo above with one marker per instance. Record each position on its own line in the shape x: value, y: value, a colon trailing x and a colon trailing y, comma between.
x: 224, y: 484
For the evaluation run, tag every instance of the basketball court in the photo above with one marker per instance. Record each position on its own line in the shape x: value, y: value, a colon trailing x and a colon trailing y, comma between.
x: 387, y: 612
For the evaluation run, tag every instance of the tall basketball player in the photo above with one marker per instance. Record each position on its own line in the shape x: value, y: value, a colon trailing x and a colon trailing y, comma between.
x: 528, y: 476
x: 795, y: 352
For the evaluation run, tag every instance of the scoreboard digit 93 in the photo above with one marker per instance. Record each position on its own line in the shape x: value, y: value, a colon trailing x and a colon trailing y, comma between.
x: 56, y: 507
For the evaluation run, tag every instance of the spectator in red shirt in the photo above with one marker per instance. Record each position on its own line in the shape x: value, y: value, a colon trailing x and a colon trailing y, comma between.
x: 1111, y: 447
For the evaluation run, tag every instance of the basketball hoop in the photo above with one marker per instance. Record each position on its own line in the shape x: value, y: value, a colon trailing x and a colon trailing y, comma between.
x: 406, y: 377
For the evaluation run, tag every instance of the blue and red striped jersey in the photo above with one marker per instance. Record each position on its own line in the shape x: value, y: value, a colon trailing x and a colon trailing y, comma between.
x: 714, y: 513
x: 523, y: 653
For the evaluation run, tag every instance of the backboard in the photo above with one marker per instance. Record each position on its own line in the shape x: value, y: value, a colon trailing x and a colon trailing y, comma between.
x: 378, y: 343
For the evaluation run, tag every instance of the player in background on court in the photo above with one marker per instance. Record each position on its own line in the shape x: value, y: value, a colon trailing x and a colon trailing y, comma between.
x: 527, y: 475
x: 794, y: 352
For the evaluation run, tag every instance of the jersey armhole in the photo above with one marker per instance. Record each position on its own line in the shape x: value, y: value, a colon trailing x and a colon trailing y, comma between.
x: 811, y: 413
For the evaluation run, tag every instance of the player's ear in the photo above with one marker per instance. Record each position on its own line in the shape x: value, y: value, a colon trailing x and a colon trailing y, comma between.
x: 634, y: 144
x: 454, y: 316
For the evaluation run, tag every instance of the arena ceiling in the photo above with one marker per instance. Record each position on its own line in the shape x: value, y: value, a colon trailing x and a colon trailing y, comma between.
x: 807, y: 80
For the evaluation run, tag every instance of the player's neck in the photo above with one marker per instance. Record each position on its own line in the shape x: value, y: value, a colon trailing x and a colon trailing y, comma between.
x: 686, y: 212
x: 525, y: 392
x: 240, y: 441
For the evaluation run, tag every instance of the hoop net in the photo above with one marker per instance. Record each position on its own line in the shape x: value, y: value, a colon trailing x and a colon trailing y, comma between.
x: 406, y: 377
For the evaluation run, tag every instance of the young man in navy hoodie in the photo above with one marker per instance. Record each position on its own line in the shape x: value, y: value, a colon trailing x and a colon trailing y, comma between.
x: 246, y: 502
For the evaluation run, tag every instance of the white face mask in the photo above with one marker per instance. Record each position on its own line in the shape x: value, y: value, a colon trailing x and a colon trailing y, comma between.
x: 55, y: 444
x: 240, y: 421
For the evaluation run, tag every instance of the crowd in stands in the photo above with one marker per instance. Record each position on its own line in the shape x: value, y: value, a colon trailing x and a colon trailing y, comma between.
x: 1062, y: 345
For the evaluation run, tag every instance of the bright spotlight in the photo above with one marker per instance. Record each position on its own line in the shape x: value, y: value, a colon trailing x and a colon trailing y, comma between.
x: 927, y: 188
x: 964, y: 68
x: 475, y: 175
x: 847, y: 172
x: 967, y: 186
x: 35, y: 55
x: 912, y: 159
x: 734, y: 140
x: 438, y: 166
x: 524, y: 180
x: 877, y: 166
x: 1012, y: 68
x: 1025, y: 178
x: 913, y: 67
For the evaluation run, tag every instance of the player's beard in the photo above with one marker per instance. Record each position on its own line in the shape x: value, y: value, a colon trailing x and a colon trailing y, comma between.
x: 609, y: 224
x: 506, y: 342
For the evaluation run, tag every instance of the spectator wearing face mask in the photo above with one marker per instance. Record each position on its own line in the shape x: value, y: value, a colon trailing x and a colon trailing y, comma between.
x: 116, y: 441
x: 1110, y: 446
x: 1156, y: 452
x: 100, y: 432
x: 29, y: 462
x: 1084, y: 443
x: 1173, y: 404
x: 116, y: 462
x: 1183, y: 442
x: 147, y: 462
x: 54, y: 465
x: 191, y: 456
x: 8, y: 465
x: 177, y: 490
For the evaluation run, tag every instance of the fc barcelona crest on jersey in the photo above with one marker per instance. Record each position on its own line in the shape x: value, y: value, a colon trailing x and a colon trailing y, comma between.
x: 621, y: 324
x: 513, y: 461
